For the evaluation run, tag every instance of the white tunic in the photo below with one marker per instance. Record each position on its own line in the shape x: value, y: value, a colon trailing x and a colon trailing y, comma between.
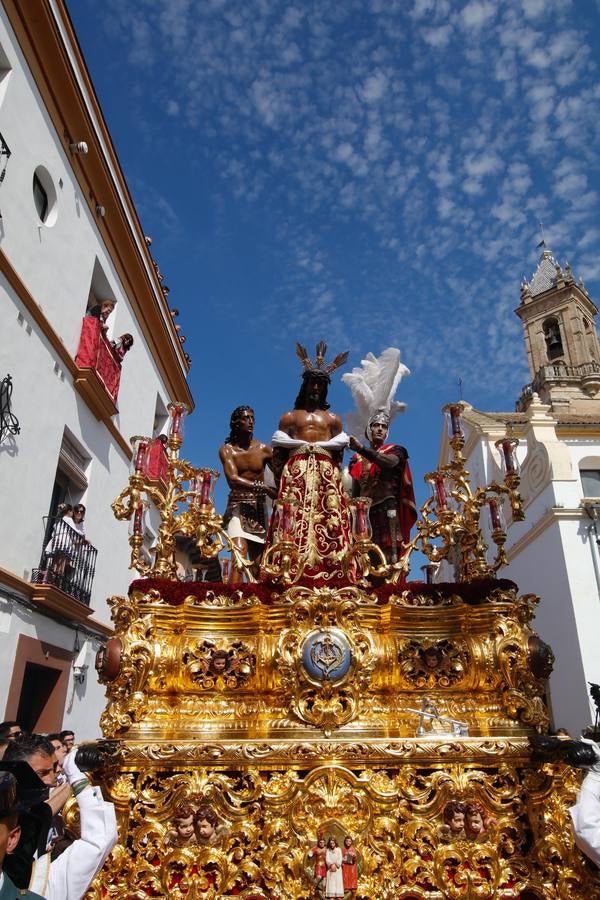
x: 334, y: 884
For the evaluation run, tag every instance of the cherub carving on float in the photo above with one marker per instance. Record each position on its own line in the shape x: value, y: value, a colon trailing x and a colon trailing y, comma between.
x: 218, y: 668
x: 380, y: 471
x: 182, y: 832
x: 245, y: 460
x: 209, y: 829
x: 307, y: 449
x: 453, y: 815
x: 465, y: 820
x: 477, y: 822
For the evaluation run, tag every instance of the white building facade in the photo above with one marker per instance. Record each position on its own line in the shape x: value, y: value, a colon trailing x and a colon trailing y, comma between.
x: 69, y: 239
x: 553, y: 553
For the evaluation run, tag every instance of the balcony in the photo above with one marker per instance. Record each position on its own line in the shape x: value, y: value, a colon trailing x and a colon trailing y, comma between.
x: 68, y: 562
x: 585, y: 376
x: 99, y: 370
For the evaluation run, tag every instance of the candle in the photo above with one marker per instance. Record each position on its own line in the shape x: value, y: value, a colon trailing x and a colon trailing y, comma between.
x: 455, y: 421
x: 287, y: 521
x: 138, y: 520
x: 205, y: 490
x: 440, y: 492
x: 176, y: 420
x: 495, y: 515
x: 225, y: 571
x: 140, y: 456
x: 361, y: 520
x: 510, y: 462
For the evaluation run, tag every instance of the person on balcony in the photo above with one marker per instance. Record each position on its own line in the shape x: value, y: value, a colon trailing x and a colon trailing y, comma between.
x: 56, y: 548
x: 102, y: 311
x: 122, y: 345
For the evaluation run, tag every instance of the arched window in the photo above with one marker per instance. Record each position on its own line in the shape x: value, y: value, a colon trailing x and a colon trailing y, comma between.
x: 554, y: 346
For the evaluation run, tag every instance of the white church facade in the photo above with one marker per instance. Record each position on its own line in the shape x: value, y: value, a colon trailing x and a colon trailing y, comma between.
x: 554, y: 552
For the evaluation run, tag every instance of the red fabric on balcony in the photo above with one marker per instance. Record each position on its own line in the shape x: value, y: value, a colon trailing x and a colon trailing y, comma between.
x: 95, y: 352
x: 158, y: 467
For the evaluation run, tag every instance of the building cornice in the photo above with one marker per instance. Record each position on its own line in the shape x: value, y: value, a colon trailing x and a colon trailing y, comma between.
x: 52, y: 52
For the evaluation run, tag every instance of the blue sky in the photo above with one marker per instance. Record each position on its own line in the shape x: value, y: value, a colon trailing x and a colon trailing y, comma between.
x: 370, y: 172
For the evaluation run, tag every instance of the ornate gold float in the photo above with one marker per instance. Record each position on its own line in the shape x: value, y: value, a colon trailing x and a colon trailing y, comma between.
x: 388, y: 718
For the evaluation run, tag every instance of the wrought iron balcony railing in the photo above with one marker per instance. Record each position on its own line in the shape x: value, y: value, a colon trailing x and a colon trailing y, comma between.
x: 68, y: 561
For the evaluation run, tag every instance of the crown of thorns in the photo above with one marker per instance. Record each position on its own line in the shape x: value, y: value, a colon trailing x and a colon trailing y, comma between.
x: 318, y: 367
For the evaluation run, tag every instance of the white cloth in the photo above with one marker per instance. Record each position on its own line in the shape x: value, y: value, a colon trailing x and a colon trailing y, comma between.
x: 70, y: 875
x: 334, y: 883
x: 79, y: 527
x: 282, y: 439
x: 235, y: 529
x: 585, y: 815
x: 74, y: 870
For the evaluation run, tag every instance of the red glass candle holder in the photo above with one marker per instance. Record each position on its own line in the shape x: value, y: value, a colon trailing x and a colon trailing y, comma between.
x: 454, y: 414
x: 225, y: 567
x: 496, y: 515
x: 137, y: 523
x: 141, y: 449
x: 177, y: 413
x: 438, y: 488
x: 507, y: 447
x: 287, y: 520
x: 361, y: 522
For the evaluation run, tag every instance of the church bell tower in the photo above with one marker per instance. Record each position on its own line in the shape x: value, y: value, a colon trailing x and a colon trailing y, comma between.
x: 563, y: 352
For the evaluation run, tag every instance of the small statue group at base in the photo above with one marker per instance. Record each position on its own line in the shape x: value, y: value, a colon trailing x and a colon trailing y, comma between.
x: 334, y: 869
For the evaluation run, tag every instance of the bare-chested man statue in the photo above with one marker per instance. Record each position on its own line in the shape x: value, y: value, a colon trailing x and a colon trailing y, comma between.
x: 244, y: 459
x: 312, y: 437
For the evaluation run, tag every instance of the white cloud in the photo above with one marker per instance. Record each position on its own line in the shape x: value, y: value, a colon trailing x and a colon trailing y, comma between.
x: 476, y: 13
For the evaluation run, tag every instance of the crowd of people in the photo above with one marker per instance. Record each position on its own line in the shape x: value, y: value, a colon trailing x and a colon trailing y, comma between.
x: 39, y: 858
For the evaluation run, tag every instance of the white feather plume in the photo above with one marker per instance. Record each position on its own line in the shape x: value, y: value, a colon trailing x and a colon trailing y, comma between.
x: 373, y: 385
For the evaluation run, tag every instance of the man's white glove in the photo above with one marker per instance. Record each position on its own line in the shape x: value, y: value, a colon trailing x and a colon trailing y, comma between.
x: 70, y: 768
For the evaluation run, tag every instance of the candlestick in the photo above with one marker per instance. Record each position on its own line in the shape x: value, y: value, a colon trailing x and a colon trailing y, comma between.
x: 455, y: 423
x: 495, y: 515
x: 440, y: 492
x: 205, y: 489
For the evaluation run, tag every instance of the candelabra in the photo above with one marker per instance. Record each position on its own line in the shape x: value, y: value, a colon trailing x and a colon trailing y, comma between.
x: 450, y: 519
x: 187, y: 511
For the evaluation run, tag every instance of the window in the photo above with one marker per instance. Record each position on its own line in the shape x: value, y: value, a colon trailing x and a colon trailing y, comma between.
x: 590, y: 482
x: 554, y: 347
x: 5, y: 70
x: 160, y: 417
x: 44, y: 196
x: 40, y: 198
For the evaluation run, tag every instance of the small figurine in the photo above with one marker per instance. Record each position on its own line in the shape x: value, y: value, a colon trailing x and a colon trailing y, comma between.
x: 349, y: 866
x: 318, y: 853
x: 453, y: 828
x: 208, y: 829
x: 477, y: 823
x: 334, y: 883
x: 182, y: 834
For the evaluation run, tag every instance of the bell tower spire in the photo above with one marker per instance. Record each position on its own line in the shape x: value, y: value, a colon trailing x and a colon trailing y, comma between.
x: 563, y: 352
